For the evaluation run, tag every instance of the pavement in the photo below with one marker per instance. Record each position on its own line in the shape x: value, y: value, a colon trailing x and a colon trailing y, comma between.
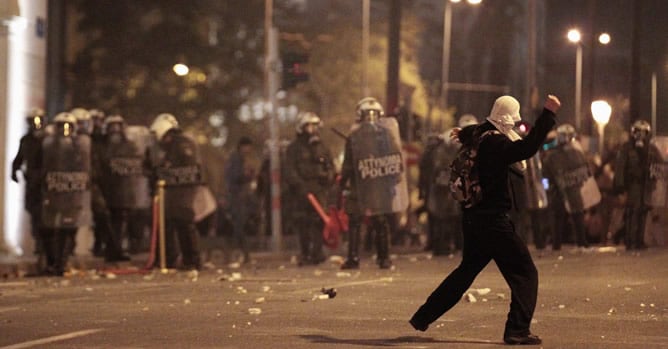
x: 598, y: 298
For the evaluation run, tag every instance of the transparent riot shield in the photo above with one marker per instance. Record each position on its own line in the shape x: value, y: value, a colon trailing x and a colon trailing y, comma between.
x: 656, y: 186
x: 379, y: 167
x: 66, y: 166
x: 574, y: 179
x: 535, y: 194
x: 126, y: 186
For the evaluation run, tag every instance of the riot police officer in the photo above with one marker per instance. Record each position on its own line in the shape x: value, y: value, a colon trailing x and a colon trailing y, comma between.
x: 374, y: 168
x: 65, y: 178
x: 179, y: 166
x: 121, y: 180
x: 309, y: 170
x: 571, y: 183
x: 442, y: 209
x: 28, y: 162
x: 632, y: 172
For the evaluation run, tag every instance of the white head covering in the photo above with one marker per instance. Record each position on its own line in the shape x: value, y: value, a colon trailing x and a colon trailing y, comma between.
x: 505, y: 113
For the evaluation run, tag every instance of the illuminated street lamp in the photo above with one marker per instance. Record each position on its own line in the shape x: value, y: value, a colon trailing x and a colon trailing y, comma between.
x: 604, y: 39
x: 601, y: 111
x: 575, y: 37
x: 447, y: 33
x: 180, y: 69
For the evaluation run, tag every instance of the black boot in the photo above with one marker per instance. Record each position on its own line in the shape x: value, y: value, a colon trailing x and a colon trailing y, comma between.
x: 383, y: 243
x: 353, y: 260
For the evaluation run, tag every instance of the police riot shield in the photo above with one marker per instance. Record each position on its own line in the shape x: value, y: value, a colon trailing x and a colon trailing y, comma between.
x: 573, y: 178
x: 440, y: 202
x: 656, y: 186
x: 379, y: 167
x: 534, y: 190
x: 125, y: 182
x: 66, y: 165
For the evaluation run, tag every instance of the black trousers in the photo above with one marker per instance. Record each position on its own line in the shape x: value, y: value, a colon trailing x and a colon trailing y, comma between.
x: 310, y: 237
x: 489, y: 237
x: 54, y: 245
x: 184, y: 234
x: 380, y: 225
x: 634, y: 223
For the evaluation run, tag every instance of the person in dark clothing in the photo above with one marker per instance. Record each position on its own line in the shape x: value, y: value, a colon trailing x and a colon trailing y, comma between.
x: 489, y: 234
x: 567, y: 170
x: 64, y: 177
x: 180, y: 168
x: 309, y: 169
x: 240, y: 173
x: 28, y: 162
x: 632, y: 171
x: 374, y: 170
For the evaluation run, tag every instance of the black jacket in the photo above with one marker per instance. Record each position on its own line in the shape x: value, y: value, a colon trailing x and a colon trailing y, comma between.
x: 497, y: 153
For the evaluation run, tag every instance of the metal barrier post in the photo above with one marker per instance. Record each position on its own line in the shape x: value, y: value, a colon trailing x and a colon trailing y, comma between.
x: 161, y: 225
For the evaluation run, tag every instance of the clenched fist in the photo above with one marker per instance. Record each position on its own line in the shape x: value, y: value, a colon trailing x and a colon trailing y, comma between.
x: 552, y: 103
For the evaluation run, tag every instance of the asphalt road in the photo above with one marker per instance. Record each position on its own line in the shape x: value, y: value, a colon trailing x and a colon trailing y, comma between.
x: 592, y: 300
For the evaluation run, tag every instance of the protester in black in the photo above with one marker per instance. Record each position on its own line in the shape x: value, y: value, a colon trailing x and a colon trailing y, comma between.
x: 489, y: 234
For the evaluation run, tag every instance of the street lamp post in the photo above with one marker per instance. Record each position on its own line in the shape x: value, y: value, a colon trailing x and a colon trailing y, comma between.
x: 575, y: 37
x: 447, y: 34
x: 601, y: 111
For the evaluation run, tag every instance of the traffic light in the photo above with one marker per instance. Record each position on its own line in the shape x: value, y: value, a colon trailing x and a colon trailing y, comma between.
x: 294, y: 70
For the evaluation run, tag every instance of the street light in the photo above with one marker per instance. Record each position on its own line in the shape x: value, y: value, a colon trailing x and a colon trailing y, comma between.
x: 604, y: 38
x: 575, y: 37
x: 601, y: 111
x: 447, y: 33
x: 180, y: 69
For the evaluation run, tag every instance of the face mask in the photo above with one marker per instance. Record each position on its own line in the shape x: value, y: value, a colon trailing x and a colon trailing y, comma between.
x: 504, y: 115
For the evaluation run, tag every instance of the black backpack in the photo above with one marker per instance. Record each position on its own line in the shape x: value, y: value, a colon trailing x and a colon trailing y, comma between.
x: 464, y: 181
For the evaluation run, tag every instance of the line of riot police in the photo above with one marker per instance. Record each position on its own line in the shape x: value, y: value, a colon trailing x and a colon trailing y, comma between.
x: 559, y: 186
x: 88, y: 170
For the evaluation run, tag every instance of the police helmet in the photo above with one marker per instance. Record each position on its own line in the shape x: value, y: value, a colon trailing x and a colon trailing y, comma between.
x: 162, y: 124
x: 96, y: 114
x: 369, y: 109
x: 114, y: 123
x: 565, y: 133
x: 35, y: 118
x: 66, y: 123
x: 467, y: 120
x: 640, y: 130
x: 307, y: 118
x: 84, y: 123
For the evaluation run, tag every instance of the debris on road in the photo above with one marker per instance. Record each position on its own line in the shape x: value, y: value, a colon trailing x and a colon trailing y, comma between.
x: 254, y: 311
x: 331, y: 292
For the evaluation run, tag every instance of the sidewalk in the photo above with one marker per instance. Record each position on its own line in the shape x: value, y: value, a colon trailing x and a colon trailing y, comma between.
x: 212, y: 252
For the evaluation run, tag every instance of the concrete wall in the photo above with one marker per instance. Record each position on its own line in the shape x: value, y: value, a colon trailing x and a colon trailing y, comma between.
x: 22, y: 87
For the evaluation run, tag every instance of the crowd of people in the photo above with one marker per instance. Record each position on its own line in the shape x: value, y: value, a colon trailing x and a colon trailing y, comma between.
x: 88, y: 168
x: 563, y: 195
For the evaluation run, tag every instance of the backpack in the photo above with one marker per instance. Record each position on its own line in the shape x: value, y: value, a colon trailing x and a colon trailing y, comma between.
x: 464, y: 181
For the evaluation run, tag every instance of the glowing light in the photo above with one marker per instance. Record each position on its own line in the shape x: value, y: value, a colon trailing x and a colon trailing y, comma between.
x: 180, y: 69
x: 474, y: 2
x: 574, y: 36
x: 601, y: 111
x: 604, y: 38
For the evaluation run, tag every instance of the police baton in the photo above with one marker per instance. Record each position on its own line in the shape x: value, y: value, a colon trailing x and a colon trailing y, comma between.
x: 339, y: 133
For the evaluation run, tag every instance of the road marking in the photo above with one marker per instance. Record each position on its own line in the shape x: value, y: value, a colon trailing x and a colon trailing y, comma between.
x: 4, y: 310
x: 48, y: 340
x: 13, y: 283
